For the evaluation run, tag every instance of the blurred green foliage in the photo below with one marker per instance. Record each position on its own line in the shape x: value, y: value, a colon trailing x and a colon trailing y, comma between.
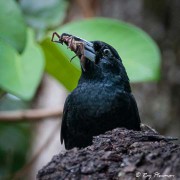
x: 139, y: 52
x: 59, y: 66
x: 13, y: 27
x: 14, y: 145
x: 43, y: 15
x: 23, y: 62
x: 18, y: 75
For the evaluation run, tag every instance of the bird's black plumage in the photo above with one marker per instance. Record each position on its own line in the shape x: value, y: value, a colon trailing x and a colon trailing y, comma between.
x: 101, y: 101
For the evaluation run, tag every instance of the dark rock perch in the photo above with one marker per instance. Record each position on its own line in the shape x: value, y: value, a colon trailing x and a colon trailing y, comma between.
x: 118, y: 154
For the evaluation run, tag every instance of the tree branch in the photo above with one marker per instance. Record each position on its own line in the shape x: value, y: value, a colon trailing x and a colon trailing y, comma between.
x: 30, y: 115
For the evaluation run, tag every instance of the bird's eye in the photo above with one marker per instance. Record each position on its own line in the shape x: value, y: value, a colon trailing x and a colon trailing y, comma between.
x: 106, y: 52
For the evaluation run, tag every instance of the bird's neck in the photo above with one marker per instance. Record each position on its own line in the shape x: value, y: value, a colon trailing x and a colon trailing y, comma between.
x: 95, y: 75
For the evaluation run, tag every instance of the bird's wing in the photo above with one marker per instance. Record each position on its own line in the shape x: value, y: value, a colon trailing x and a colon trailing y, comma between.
x: 64, y: 125
x: 135, y: 108
x: 128, y: 109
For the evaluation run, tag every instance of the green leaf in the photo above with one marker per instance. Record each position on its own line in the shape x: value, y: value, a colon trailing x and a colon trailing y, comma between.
x: 20, y: 75
x: 13, y: 28
x: 43, y: 15
x: 58, y: 66
x: 138, y: 51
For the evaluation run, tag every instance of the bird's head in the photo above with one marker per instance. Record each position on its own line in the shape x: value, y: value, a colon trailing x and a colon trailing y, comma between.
x: 98, y: 59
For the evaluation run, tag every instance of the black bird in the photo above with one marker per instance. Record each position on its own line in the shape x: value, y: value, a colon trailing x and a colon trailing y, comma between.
x: 102, y: 99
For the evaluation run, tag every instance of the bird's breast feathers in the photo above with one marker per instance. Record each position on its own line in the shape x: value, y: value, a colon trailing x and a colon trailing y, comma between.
x: 95, y: 100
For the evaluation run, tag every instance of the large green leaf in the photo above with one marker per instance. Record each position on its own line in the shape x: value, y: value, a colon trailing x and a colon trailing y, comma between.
x: 20, y: 75
x: 12, y: 26
x: 138, y: 51
x: 58, y: 66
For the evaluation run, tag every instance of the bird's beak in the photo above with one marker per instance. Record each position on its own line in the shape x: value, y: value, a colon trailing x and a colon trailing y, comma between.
x: 82, y: 48
x: 89, y: 51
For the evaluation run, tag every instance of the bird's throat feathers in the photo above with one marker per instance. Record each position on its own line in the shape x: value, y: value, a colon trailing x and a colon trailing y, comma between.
x: 94, y: 74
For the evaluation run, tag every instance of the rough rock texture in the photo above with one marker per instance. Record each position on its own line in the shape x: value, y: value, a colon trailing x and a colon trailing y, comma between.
x: 118, y: 154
